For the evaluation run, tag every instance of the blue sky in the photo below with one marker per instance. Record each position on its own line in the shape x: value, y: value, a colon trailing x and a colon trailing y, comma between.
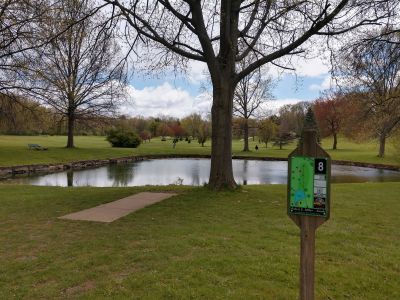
x: 178, y: 95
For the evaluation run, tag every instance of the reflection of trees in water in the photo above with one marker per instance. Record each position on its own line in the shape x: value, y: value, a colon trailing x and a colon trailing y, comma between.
x: 245, y: 167
x: 121, y: 175
x: 70, y: 178
x: 195, y: 173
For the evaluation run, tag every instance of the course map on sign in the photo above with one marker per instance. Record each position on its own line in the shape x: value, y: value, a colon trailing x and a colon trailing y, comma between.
x: 301, y: 187
x: 308, y: 186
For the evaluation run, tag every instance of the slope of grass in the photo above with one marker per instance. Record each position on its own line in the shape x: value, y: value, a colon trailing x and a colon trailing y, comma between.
x: 13, y: 150
x: 198, y: 245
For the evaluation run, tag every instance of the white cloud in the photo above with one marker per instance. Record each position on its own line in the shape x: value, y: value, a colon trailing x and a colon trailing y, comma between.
x: 276, y: 104
x: 313, y: 67
x: 168, y: 100
x: 273, y: 106
x: 164, y: 100
x: 202, y: 103
x: 327, y: 83
x: 316, y: 66
x: 197, y: 72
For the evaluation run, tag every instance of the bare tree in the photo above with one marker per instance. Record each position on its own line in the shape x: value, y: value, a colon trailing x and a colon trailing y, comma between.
x: 371, y: 68
x: 224, y: 32
x: 291, y: 117
x: 76, y: 73
x: 253, y: 90
x: 15, y: 24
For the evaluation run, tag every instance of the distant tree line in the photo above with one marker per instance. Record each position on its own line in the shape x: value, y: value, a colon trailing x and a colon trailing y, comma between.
x: 337, y: 114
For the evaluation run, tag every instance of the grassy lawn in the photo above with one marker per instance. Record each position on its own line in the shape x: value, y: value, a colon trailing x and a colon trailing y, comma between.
x: 200, y: 244
x: 13, y: 150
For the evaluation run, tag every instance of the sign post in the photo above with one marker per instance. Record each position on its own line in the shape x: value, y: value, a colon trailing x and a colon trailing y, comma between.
x: 308, y: 201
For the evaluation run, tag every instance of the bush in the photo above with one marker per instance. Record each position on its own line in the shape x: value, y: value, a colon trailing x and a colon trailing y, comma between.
x: 123, y: 138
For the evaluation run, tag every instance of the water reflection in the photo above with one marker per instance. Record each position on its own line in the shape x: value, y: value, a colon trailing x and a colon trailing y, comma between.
x: 70, y: 178
x: 120, y: 175
x: 194, y: 172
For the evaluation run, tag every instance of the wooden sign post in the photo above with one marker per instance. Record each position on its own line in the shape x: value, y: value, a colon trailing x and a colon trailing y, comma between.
x: 308, y: 201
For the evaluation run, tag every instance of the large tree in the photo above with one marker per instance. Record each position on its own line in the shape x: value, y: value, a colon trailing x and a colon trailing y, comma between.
x: 76, y: 72
x: 371, y: 68
x: 223, y: 33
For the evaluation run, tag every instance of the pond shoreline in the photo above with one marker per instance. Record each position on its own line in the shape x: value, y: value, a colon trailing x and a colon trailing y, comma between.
x: 24, y: 170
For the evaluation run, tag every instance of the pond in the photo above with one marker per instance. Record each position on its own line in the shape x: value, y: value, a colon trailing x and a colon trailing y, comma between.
x: 193, y: 172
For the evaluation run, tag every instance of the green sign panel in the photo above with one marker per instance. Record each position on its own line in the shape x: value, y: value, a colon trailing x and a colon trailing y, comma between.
x: 308, y: 186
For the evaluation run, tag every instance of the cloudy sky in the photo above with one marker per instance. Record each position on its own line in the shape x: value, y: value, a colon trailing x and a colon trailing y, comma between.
x: 178, y: 96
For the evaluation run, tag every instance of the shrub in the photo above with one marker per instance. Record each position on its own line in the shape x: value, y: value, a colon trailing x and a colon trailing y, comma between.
x: 123, y: 138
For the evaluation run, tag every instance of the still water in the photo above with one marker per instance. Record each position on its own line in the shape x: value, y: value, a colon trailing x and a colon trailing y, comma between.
x: 193, y: 172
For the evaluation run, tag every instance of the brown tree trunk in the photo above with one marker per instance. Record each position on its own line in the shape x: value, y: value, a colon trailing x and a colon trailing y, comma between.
x: 71, y: 126
x: 334, y: 147
x: 246, y: 135
x: 224, y: 84
x: 221, y: 173
x: 382, y: 142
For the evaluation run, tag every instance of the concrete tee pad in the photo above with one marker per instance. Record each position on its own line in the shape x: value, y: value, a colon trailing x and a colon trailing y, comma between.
x: 112, y: 211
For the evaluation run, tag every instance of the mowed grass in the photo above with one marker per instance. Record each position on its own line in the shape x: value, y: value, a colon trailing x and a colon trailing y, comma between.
x: 198, y: 245
x: 14, y: 151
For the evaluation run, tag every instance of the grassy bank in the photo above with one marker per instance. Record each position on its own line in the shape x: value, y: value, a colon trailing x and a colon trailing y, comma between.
x: 13, y: 150
x: 230, y: 245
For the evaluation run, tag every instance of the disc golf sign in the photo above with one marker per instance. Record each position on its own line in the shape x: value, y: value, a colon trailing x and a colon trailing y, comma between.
x: 308, y: 186
x: 308, y: 201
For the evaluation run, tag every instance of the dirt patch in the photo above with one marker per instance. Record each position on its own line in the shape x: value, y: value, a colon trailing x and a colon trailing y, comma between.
x: 78, y: 289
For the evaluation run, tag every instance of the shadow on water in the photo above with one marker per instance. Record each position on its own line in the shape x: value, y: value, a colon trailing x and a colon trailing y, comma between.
x: 194, y: 172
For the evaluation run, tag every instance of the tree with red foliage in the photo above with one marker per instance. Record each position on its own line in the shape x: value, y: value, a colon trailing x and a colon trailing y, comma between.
x: 177, y: 130
x: 145, y: 135
x: 164, y: 130
x: 329, y: 112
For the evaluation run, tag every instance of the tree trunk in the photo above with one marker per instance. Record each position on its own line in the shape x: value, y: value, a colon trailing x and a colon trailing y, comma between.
x: 334, y: 147
x: 266, y: 144
x: 71, y: 126
x: 221, y: 173
x: 382, y: 142
x: 246, y: 135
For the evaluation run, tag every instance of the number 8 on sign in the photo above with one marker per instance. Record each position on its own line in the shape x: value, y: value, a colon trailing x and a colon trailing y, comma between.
x: 320, y: 166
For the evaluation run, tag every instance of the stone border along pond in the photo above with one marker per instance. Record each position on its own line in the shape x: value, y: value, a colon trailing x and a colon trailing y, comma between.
x: 38, y: 169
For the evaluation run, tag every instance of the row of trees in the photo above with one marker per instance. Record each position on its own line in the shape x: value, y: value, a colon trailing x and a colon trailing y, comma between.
x: 336, y: 114
x: 191, y: 127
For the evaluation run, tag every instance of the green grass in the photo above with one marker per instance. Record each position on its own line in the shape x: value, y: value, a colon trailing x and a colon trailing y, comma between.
x: 198, y: 245
x: 13, y: 150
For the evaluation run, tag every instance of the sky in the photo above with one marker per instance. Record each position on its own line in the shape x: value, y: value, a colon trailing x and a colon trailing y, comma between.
x: 178, y: 96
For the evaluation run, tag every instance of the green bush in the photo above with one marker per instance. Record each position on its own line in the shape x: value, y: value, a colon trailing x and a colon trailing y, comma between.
x: 123, y: 138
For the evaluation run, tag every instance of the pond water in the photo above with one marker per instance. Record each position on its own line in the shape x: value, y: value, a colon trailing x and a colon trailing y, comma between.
x: 193, y: 172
